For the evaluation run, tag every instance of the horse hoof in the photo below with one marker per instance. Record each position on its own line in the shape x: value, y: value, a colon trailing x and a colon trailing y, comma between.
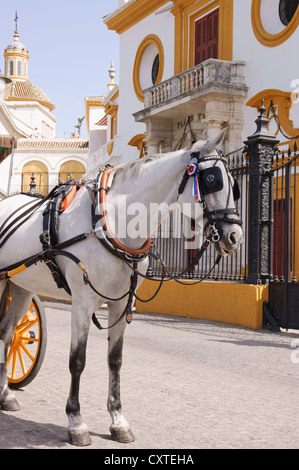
x: 79, y: 438
x: 122, y: 435
x: 10, y: 405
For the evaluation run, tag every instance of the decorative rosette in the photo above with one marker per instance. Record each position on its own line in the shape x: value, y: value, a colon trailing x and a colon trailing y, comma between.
x: 192, y: 171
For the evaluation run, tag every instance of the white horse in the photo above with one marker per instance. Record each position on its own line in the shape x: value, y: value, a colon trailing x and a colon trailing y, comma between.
x: 147, y: 181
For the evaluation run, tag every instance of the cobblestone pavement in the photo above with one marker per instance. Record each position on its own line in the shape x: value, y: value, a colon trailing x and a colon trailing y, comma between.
x: 186, y: 384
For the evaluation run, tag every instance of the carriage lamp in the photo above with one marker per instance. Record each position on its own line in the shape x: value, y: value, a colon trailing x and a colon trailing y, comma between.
x: 3, y: 82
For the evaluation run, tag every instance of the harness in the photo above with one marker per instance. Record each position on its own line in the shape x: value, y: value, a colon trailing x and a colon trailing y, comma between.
x: 60, y: 200
x: 205, y: 182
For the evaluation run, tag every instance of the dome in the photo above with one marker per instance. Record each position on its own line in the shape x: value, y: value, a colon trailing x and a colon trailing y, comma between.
x: 19, y: 90
x: 16, y: 44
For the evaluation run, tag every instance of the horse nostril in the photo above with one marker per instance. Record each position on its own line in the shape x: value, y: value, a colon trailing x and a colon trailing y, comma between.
x: 232, y: 238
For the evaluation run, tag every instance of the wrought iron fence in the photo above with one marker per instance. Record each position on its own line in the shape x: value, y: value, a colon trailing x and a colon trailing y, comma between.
x: 285, y: 242
x: 178, y: 240
x: 283, y: 308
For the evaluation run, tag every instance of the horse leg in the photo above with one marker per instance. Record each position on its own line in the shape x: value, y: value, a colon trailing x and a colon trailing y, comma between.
x: 119, y: 429
x: 77, y: 429
x: 19, y: 305
x: 5, y: 291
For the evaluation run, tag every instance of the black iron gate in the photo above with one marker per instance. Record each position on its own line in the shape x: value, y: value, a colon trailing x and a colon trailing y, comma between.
x: 272, y: 244
x: 284, y: 287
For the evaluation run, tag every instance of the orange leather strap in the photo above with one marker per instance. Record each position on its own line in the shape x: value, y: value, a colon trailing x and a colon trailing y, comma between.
x: 103, y: 190
x: 68, y: 198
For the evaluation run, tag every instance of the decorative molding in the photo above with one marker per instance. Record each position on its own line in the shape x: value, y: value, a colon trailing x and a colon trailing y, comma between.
x: 267, y: 39
x: 123, y: 19
x: 283, y: 103
x: 148, y: 40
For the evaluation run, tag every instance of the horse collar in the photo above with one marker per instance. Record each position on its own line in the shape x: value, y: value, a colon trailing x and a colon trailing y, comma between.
x: 103, y: 230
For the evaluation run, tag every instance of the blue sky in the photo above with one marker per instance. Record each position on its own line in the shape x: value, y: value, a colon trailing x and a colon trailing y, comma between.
x: 70, y: 51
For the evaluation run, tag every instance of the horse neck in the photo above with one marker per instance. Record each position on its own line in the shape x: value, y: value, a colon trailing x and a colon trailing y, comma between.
x: 140, y: 190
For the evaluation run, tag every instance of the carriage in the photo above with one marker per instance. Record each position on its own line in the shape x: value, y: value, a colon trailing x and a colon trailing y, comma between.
x: 28, y: 346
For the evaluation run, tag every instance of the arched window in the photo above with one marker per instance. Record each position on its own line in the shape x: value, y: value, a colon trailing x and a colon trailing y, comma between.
x: 155, y: 69
x: 19, y: 67
x: 71, y: 170
x: 11, y: 67
x: 148, y: 65
x: 40, y: 173
x: 287, y: 9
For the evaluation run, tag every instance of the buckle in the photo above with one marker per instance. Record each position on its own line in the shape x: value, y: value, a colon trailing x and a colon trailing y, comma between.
x: 214, y: 230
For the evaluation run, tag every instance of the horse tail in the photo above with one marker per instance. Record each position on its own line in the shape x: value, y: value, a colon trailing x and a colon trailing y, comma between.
x: 5, y: 299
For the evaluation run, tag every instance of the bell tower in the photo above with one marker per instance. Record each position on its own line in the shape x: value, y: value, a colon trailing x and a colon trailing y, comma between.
x: 16, y: 57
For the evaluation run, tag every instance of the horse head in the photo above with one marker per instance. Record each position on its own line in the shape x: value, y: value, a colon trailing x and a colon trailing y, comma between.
x: 208, y: 181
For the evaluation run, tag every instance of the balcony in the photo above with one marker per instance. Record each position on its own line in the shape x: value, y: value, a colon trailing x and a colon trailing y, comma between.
x: 212, y: 93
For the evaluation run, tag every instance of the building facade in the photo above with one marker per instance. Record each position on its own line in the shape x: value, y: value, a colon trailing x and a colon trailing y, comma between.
x: 189, y: 68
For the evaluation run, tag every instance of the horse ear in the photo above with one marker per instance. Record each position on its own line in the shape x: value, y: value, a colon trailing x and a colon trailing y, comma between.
x: 211, y: 144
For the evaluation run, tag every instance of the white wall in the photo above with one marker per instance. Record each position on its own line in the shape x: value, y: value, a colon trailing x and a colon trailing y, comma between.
x: 4, y: 172
x: 163, y: 26
x: 30, y: 116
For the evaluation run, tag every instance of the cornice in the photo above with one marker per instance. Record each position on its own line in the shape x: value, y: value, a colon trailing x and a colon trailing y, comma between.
x: 131, y: 13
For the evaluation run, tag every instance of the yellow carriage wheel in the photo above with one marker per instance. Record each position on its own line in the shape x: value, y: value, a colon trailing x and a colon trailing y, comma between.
x: 28, y: 346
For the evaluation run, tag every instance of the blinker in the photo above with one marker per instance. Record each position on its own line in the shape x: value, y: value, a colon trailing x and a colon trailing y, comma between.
x: 210, y: 180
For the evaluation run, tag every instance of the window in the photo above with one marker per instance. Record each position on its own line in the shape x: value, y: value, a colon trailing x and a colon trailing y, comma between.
x: 288, y: 13
x: 206, y: 37
x: 11, y: 67
x: 155, y: 69
x: 19, y: 68
x: 71, y: 170
x: 287, y: 9
x: 147, y: 65
x: 40, y: 173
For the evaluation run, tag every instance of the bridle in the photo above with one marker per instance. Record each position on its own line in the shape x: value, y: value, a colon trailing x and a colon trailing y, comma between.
x: 207, y: 181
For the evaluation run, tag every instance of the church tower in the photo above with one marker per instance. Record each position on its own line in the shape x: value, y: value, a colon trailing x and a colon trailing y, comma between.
x: 25, y: 100
x: 16, y: 57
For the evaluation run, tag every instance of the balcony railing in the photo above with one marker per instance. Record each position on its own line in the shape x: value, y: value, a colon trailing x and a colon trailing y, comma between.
x: 211, y: 71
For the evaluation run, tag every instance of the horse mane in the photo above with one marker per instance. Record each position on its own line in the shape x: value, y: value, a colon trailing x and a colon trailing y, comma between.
x: 134, y: 167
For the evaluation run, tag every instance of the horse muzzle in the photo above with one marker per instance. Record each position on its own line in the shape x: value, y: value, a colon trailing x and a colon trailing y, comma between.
x: 231, y: 238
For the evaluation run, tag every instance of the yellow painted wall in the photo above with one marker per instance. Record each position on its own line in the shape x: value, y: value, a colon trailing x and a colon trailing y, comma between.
x: 237, y: 304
